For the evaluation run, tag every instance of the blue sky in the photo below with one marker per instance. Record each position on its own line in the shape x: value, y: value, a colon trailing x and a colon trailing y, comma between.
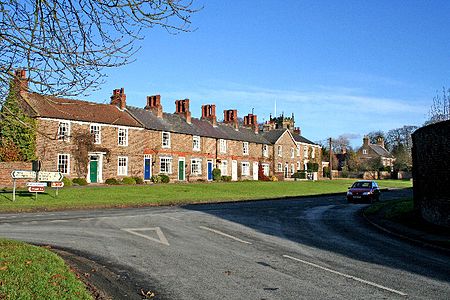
x: 342, y: 67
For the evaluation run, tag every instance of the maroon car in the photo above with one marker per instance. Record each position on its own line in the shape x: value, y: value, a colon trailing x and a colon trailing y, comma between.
x: 363, y: 190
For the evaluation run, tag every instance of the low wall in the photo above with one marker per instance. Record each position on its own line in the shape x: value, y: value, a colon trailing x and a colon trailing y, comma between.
x: 431, y: 172
x: 5, y: 173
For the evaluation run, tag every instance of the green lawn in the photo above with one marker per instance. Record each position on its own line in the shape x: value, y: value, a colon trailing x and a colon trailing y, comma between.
x: 30, y: 272
x: 173, y: 194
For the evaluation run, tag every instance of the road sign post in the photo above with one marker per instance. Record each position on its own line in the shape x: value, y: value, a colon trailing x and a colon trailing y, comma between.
x: 57, y: 185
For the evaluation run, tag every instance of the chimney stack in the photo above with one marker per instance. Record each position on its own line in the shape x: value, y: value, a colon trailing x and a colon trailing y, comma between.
x: 21, y: 80
x: 182, y: 108
x: 119, y: 98
x: 380, y: 141
x: 297, y: 130
x: 251, y: 121
x: 154, y: 105
x: 209, y: 113
x: 230, y: 117
x: 366, y: 140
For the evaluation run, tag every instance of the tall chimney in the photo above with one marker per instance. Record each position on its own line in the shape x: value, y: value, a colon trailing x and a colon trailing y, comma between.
x: 21, y: 80
x: 380, y: 141
x: 209, y: 113
x: 366, y: 140
x: 154, y: 105
x: 230, y: 116
x: 251, y: 121
x: 297, y: 130
x: 182, y: 108
x: 119, y: 98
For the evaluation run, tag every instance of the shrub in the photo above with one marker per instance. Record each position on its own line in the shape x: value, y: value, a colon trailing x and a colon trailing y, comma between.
x: 155, y: 179
x: 128, y: 180
x: 312, y: 167
x: 299, y: 175
x: 112, y: 181
x: 80, y: 181
x: 67, y: 181
x: 138, y: 179
x: 226, y: 178
x: 216, y: 173
x: 164, y: 178
x: 273, y: 178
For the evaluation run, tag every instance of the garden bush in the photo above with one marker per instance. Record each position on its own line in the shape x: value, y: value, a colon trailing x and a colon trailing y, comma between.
x: 299, y: 175
x: 164, y: 178
x: 155, y: 179
x: 138, y: 179
x: 67, y: 181
x: 112, y: 181
x: 226, y: 178
x: 80, y: 181
x: 128, y: 180
x: 216, y: 173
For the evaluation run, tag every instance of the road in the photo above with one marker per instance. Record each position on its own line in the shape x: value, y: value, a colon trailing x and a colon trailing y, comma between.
x: 308, y: 248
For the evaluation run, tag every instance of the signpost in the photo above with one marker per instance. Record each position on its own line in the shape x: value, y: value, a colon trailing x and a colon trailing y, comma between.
x: 19, y: 174
x: 49, y: 176
x: 36, y: 189
x: 43, y: 176
x: 57, y: 185
x: 36, y: 184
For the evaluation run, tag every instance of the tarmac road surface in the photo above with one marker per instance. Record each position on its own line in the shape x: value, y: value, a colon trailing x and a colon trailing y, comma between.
x: 306, y: 248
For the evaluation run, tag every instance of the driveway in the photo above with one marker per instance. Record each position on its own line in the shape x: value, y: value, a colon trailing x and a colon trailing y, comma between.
x: 308, y: 248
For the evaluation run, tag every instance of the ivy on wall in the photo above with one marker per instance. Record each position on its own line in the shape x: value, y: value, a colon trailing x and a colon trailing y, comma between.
x: 17, y: 131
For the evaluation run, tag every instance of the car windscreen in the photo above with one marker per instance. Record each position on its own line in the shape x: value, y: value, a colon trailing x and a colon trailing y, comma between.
x: 362, y: 185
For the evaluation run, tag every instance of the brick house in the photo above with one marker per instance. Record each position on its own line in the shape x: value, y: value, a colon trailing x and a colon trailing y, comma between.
x: 130, y: 141
x: 371, y: 151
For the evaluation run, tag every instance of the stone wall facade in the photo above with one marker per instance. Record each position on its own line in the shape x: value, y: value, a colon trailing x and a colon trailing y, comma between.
x: 5, y: 173
x: 431, y: 172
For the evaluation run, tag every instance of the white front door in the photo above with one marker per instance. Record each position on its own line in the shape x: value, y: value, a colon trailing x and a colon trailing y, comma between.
x: 255, y: 171
x: 234, y: 170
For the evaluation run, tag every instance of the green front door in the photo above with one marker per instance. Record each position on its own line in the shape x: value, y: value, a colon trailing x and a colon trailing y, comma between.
x: 93, y: 166
x: 181, y: 170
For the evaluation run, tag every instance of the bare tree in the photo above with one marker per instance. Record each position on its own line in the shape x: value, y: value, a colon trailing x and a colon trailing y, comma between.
x: 440, y: 109
x: 66, y: 45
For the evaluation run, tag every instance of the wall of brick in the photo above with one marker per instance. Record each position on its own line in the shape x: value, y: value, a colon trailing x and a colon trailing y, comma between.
x: 5, y: 173
x: 431, y: 172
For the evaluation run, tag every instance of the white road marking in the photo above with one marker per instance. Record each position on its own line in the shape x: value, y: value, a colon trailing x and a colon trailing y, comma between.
x: 59, y: 221
x: 162, y: 239
x: 224, y: 234
x: 347, y: 276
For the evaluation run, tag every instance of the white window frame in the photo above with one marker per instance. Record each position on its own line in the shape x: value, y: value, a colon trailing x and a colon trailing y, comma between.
x: 165, y: 139
x: 169, y: 163
x: 305, y: 151
x: 122, y: 136
x: 299, y: 166
x: 292, y: 153
x: 64, y: 131
x: 245, y: 168
x: 122, y: 166
x: 298, y: 150
x: 266, y: 169
x: 245, y: 148
x: 224, y: 168
x: 196, y: 166
x: 313, y: 152
x: 280, y: 167
x: 196, y: 146
x: 280, y: 150
x: 265, y: 150
x: 67, y: 166
x: 222, y: 146
x: 364, y: 151
x: 96, y: 130
x: 292, y: 169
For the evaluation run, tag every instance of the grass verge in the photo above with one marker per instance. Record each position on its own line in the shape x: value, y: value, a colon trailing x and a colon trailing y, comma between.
x: 30, y: 272
x: 173, y: 194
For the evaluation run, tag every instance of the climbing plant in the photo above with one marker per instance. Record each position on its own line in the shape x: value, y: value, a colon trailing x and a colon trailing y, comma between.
x: 84, y: 143
x: 17, y: 131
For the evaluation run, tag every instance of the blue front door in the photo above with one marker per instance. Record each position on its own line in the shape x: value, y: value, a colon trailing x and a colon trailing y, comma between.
x: 210, y: 169
x: 147, y: 168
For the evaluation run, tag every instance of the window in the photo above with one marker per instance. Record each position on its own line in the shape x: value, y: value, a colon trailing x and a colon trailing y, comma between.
x: 196, y: 166
x: 196, y: 143
x: 292, y: 153
x: 265, y: 150
x: 123, y: 137
x: 224, y: 168
x: 280, y: 151
x: 305, y: 152
x: 245, y: 169
x: 63, y: 131
x: 299, y: 166
x: 364, y: 151
x: 166, y: 139
x: 313, y: 152
x: 245, y: 148
x: 64, y: 163
x: 280, y: 167
x: 165, y: 166
x: 298, y: 150
x: 222, y: 146
x: 97, y: 133
x: 265, y: 168
x: 122, y: 166
x: 292, y: 169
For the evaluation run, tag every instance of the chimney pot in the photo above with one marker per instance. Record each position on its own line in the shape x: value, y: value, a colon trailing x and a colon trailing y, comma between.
x: 154, y: 105
x: 182, y: 108
x: 209, y: 113
x: 119, y: 98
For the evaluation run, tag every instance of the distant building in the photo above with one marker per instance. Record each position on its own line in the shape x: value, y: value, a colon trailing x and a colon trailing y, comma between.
x: 370, y: 151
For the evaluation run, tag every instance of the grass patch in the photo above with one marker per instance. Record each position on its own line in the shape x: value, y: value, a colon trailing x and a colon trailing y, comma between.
x: 173, y: 194
x: 30, y: 272
x: 395, y: 209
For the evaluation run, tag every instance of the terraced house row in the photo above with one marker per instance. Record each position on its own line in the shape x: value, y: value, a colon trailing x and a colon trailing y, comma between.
x: 131, y: 141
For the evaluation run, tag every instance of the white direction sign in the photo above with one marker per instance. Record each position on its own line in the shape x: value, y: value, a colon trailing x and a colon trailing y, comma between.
x: 19, y: 174
x: 35, y: 184
x: 50, y: 176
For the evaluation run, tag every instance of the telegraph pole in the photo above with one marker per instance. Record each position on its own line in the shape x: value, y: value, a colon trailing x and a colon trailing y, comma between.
x: 331, y: 161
